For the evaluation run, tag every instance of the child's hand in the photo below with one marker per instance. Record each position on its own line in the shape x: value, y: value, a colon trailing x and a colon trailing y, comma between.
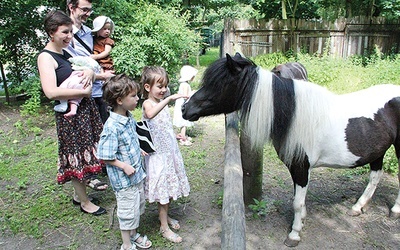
x: 143, y: 153
x: 129, y: 170
x: 177, y: 96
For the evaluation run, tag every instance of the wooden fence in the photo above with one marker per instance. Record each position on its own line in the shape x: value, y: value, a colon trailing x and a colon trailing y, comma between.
x: 342, y: 38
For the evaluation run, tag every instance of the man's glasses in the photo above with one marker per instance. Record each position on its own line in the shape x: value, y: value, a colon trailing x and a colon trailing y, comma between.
x: 86, y: 10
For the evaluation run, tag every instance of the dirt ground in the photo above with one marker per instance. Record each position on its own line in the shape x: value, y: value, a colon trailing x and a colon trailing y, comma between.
x: 327, y: 226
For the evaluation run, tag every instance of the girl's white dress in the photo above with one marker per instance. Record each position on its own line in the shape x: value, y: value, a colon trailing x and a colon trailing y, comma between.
x: 166, y: 175
x: 178, y: 120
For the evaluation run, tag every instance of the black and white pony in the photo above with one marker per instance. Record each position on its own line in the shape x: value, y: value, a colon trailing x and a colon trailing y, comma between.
x: 308, y: 125
x: 291, y: 70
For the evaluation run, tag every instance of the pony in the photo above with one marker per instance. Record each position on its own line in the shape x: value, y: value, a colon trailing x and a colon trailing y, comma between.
x: 291, y: 70
x: 308, y: 125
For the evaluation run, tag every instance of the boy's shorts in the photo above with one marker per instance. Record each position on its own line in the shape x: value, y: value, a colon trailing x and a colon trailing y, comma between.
x: 130, y: 205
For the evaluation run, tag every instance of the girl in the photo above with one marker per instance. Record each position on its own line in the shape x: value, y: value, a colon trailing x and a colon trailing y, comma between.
x: 187, y: 75
x: 77, y: 137
x: 166, y: 176
x: 103, y: 27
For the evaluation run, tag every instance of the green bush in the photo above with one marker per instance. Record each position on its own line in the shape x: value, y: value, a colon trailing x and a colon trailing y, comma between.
x: 33, y: 89
x: 153, y: 36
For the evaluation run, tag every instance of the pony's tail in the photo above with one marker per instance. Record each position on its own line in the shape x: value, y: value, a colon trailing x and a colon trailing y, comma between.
x: 258, y: 117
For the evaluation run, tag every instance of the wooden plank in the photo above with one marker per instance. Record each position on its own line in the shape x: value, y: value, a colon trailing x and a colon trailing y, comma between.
x: 233, y: 218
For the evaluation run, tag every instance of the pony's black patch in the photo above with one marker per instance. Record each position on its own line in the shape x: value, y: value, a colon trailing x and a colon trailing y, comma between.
x: 299, y: 171
x: 371, y: 138
x: 284, y: 109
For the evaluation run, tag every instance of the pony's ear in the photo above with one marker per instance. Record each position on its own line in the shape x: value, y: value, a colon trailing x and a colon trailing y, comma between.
x: 237, y: 55
x: 233, y: 66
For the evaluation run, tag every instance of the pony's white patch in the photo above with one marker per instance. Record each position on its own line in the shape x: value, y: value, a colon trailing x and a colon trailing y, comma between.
x: 374, y: 178
x: 320, y: 120
x: 260, y: 116
x: 309, y: 122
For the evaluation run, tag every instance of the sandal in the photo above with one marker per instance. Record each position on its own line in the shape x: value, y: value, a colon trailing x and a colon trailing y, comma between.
x: 133, y: 247
x: 97, y: 185
x: 144, y: 243
x: 174, y: 223
x: 91, y: 199
x: 174, y: 238
x: 185, y: 143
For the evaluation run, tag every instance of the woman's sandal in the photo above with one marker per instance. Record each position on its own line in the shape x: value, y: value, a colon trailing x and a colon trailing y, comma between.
x: 175, y: 238
x: 174, y: 224
x: 144, y: 243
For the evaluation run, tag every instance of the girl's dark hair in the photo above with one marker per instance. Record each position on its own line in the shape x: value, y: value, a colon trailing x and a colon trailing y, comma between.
x: 152, y: 75
x: 55, y: 19
x: 118, y: 86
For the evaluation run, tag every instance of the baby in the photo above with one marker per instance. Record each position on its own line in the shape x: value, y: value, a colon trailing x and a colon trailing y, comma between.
x: 79, y: 63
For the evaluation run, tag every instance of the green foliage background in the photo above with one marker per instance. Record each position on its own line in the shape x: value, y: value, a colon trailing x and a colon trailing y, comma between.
x: 146, y: 34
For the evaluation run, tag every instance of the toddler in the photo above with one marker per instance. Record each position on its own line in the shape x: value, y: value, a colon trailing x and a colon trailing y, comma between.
x: 187, y: 75
x: 79, y: 63
x: 103, y: 27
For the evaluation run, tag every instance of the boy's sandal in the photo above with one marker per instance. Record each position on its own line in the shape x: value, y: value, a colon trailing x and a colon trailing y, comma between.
x: 144, y: 243
x: 174, y: 237
x: 97, y: 185
x: 174, y: 224
x: 133, y: 247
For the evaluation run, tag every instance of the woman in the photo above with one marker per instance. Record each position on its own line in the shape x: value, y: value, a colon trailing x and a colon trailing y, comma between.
x: 77, y: 136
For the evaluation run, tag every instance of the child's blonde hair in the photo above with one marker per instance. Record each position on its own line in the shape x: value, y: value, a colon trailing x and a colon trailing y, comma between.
x: 152, y: 75
x: 118, y: 86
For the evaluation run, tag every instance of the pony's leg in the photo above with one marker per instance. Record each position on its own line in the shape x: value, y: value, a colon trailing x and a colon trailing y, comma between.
x: 374, y: 178
x: 300, y: 213
x: 396, y: 208
x: 395, y: 211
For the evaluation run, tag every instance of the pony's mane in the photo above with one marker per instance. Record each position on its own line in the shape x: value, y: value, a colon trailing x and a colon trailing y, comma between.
x: 312, y: 105
x: 242, y: 79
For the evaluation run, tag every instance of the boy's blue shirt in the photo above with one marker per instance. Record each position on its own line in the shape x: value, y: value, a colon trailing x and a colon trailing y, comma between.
x: 119, y: 141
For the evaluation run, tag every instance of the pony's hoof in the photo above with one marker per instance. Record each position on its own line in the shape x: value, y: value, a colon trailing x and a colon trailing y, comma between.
x: 394, y: 215
x: 353, y: 213
x: 291, y: 243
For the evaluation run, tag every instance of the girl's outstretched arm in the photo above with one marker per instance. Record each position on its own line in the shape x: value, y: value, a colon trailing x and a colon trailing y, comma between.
x: 151, y: 111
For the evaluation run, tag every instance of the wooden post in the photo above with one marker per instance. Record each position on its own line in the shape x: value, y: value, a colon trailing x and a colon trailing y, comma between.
x: 233, y: 219
x: 252, y: 162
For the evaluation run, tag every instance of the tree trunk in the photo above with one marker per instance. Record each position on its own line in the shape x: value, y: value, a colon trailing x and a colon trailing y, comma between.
x: 284, y: 14
x: 3, y: 75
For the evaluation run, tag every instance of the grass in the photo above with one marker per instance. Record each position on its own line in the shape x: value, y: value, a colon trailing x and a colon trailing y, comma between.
x: 31, y: 203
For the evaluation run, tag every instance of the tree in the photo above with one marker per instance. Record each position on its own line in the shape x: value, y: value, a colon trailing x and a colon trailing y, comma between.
x: 147, y: 34
x: 283, y: 9
x: 19, y: 40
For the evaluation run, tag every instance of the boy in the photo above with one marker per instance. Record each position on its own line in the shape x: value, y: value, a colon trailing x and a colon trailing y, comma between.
x: 119, y: 149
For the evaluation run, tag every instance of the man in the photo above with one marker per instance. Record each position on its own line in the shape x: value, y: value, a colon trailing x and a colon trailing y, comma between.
x: 82, y: 45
